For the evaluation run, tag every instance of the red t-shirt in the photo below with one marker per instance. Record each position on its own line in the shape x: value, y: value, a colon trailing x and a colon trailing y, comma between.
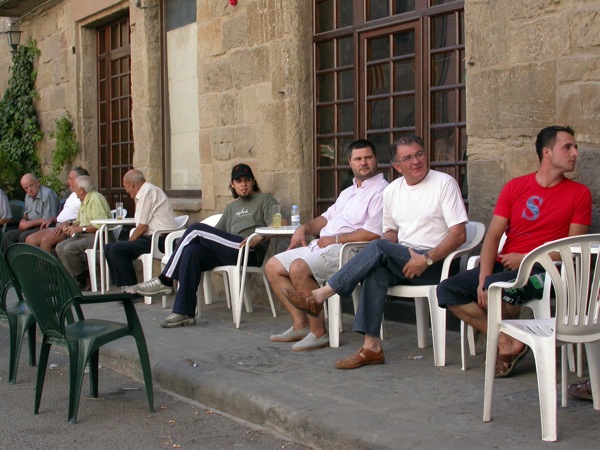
x: 537, y: 214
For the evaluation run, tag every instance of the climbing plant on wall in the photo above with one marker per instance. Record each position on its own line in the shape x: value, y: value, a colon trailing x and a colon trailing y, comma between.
x: 66, y: 147
x: 19, y: 127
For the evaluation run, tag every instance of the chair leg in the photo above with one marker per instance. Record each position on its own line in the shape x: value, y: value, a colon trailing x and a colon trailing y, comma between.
x: 592, y: 350
x: 93, y: 375
x: 490, y: 371
x: 438, y: 329
x: 146, y: 367
x: 92, y: 271
x: 422, y: 317
x: 463, y: 345
x: 333, y: 305
x: 268, y: 289
x: 77, y: 365
x: 41, y: 375
x: 545, y: 363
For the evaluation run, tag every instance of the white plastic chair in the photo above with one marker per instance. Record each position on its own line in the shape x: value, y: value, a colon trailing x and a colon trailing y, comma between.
x: 91, y: 253
x: 155, y: 253
x: 576, y: 287
x: 423, y: 295
x: 426, y: 295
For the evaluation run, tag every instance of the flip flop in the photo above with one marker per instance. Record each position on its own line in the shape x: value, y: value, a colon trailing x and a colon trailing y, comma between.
x: 581, y: 390
x: 506, y: 363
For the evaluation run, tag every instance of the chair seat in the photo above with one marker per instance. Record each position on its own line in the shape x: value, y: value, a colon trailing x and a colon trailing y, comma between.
x: 91, y: 328
x: 535, y: 327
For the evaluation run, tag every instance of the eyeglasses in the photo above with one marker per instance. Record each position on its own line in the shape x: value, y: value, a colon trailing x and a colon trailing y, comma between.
x: 408, y: 159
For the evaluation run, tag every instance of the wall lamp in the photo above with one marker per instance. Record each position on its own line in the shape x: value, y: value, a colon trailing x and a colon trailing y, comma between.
x: 13, y: 36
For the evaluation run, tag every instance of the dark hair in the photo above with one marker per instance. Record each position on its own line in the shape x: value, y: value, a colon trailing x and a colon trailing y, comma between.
x: 235, y: 194
x: 547, y: 137
x: 80, y: 171
x: 360, y: 143
x: 405, y: 141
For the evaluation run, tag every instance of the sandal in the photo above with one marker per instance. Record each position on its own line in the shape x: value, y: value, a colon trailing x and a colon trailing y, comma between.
x: 506, y: 363
x: 581, y: 390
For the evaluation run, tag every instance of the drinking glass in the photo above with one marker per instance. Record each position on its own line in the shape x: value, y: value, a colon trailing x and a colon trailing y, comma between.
x: 119, y: 209
x: 276, y: 216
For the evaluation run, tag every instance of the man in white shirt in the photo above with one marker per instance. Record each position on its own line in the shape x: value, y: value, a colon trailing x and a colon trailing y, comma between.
x: 49, y: 236
x: 152, y: 212
x: 355, y: 216
x: 5, y: 211
x: 424, y: 220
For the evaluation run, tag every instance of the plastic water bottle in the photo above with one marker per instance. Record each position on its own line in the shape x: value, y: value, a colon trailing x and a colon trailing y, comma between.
x: 295, y: 216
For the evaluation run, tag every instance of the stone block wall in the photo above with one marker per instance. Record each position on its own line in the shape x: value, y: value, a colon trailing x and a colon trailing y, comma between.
x: 530, y: 64
x: 255, y: 97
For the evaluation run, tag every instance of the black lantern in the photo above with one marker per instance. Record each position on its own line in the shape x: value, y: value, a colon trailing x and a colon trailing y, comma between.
x: 13, y: 36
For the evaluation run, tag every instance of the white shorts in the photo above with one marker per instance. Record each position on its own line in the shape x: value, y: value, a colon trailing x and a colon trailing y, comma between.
x: 323, y: 262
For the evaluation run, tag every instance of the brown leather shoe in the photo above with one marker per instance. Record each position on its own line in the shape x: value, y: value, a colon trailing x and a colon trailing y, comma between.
x: 362, y: 357
x: 304, y: 301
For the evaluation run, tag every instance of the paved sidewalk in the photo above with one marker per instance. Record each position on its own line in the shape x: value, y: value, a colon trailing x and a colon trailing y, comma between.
x: 404, y: 403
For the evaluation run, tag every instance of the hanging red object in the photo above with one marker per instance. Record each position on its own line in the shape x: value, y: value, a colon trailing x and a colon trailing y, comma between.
x: 233, y: 2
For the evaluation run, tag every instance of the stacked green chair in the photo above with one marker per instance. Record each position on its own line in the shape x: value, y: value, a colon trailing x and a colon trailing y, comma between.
x: 17, y: 207
x: 55, y: 301
x: 19, y: 318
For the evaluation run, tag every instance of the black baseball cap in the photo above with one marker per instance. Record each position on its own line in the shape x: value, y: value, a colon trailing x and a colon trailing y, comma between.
x: 241, y: 170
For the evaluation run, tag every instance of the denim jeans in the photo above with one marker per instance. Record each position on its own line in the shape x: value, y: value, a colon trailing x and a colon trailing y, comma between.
x: 378, y: 266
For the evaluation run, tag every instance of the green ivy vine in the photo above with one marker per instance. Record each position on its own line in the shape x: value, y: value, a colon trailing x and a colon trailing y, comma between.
x: 66, y: 148
x: 19, y: 126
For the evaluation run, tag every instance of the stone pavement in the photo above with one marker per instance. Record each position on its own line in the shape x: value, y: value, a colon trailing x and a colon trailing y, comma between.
x: 404, y: 403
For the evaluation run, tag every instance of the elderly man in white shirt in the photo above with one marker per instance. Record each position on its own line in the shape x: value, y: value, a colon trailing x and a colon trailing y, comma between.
x: 48, y: 236
x: 152, y: 212
x: 355, y: 216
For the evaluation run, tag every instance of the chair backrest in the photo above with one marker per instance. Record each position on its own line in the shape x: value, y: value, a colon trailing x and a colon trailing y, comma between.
x: 7, y: 280
x: 180, y: 221
x: 17, y: 207
x: 576, y: 284
x: 212, y: 220
x: 46, y: 285
x: 475, y: 232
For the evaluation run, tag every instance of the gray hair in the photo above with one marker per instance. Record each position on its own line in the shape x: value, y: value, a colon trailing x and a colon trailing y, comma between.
x: 86, y: 183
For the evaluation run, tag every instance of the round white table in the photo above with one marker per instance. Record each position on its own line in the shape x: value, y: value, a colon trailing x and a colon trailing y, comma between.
x: 104, y: 225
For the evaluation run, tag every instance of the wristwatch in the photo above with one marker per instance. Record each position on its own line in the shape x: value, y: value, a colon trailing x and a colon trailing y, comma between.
x: 428, y: 258
x: 84, y: 230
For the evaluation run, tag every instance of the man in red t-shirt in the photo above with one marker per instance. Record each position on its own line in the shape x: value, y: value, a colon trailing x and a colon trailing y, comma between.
x: 531, y: 210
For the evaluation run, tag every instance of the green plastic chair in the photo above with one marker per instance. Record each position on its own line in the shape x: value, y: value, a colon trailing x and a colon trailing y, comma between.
x: 17, y: 207
x: 55, y: 301
x: 19, y: 318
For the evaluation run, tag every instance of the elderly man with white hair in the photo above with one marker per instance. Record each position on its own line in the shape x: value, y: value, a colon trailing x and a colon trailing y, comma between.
x: 71, y: 251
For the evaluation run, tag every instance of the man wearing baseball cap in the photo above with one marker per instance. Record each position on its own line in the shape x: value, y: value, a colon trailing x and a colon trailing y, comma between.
x: 203, y: 247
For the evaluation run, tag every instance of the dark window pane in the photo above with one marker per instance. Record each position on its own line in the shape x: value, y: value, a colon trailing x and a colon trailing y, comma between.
x: 179, y: 13
x: 324, y: 19
x: 461, y: 31
x: 345, y: 118
x: 345, y: 17
x: 326, y: 90
x: 378, y: 48
x: 326, y: 184
x: 382, y: 144
x: 326, y: 153
x: 402, y: 6
x: 443, y: 107
x: 343, y: 143
x: 404, y: 79
x: 404, y: 43
x: 404, y: 111
x: 378, y: 114
x: 325, y: 120
x: 443, y: 31
x: 345, y: 51
x: 376, y: 9
x: 443, y: 146
x: 325, y: 55
x: 444, y: 69
x: 346, y: 84
x: 378, y: 79
x: 440, y: 2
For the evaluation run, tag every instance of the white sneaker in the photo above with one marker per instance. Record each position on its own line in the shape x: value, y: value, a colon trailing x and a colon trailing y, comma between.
x: 177, y: 320
x: 311, y: 342
x: 290, y: 335
x: 152, y: 287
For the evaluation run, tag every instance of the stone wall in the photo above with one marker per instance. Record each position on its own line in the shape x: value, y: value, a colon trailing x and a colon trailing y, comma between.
x: 529, y: 64
x: 255, y: 97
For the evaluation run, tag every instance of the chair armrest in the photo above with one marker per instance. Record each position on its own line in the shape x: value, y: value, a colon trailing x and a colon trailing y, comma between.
x: 473, y: 262
x: 348, y: 250
x: 104, y: 298
x: 170, y: 240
